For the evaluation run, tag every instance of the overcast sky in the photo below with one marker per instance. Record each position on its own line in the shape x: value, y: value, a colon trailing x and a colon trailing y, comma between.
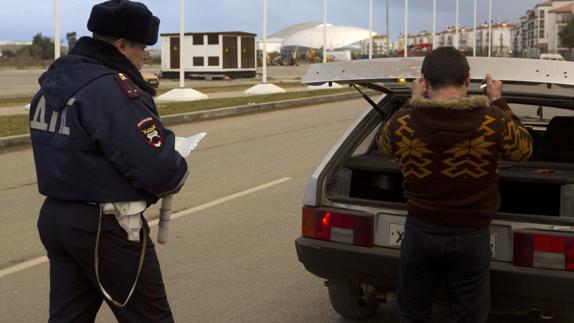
x: 21, y: 20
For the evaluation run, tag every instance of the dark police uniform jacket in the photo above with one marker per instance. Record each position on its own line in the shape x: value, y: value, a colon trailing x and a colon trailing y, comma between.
x: 97, y: 137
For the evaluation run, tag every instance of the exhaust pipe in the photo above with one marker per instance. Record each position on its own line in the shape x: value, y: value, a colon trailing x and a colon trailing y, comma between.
x: 371, y: 294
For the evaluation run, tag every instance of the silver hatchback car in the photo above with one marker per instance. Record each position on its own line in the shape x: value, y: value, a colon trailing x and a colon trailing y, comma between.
x: 354, y: 210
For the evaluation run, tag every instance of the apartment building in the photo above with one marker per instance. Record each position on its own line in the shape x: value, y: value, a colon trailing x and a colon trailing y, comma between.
x: 540, y: 27
x: 503, y: 37
x: 502, y: 42
x: 382, y: 46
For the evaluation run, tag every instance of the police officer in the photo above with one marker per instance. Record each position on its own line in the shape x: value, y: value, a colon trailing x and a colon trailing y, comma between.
x: 102, y: 156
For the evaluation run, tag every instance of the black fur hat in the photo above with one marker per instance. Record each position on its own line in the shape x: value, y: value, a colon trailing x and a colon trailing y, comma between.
x: 125, y: 19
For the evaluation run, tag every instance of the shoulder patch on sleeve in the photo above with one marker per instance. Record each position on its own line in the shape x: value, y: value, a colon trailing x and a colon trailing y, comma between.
x: 150, y: 131
x: 130, y: 89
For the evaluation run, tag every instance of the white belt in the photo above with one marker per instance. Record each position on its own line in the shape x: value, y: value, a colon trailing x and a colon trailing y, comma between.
x: 128, y: 216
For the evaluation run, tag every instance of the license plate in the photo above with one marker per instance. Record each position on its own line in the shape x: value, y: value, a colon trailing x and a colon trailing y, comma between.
x: 397, y: 233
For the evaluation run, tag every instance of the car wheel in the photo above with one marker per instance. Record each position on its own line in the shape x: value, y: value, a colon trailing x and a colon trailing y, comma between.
x: 346, y: 300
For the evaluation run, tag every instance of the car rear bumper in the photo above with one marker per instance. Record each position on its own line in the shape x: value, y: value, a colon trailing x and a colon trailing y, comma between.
x: 511, y: 286
x: 337, y: 261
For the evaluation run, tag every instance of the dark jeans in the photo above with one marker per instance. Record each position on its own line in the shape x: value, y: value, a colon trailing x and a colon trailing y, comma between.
x: 68, y: 232
x: 430, y: 252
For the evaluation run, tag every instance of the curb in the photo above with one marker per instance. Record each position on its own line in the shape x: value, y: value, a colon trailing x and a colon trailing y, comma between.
x: 174, y: 119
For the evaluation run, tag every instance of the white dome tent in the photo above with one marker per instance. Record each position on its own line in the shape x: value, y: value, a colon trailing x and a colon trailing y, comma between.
x: 338, y: 37
x: 310, y: 35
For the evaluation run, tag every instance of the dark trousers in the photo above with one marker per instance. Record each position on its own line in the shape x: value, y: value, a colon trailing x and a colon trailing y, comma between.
x: 68, y: 232
x: 431, y: 252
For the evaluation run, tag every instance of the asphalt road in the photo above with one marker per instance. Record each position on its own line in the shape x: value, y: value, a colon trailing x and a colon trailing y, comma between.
x: 231, y: 256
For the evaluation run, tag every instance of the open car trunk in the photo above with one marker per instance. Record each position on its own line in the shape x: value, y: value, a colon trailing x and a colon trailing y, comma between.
x: 540, y: 190
x: 525, y: 189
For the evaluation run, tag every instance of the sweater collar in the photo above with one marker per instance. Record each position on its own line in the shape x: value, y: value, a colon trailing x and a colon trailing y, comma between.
x: 455, y: 103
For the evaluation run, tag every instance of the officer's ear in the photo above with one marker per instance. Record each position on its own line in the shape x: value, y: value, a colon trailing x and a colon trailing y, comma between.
x: 121, y: 44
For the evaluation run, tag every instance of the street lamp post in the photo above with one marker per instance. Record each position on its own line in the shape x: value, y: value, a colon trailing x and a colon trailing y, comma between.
x: 57, y: 29
x: 180, y: 94
x: 406, y: 27
x: 324, y: 31
x: 370, y: 29
x: 489, y: 28
x: 387, y: 40
x: 264, y: 87
x: 434, y: 24
x: 474, y: 32
x: 456, y: 35
x: 181, y: 35
x: 264, y: 41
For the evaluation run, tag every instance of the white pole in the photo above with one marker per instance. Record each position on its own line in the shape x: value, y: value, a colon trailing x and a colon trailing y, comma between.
x: 388, y: 41
x: 57, y: 29
x: 181, y: 56
x: 406, y: 27
x: 370, y: 29
x: 434, y: 24
x: 264, y: 41
x: 456, y: 36
x: 474, y: 31
x: 489, y: 28
x: 324, y: 31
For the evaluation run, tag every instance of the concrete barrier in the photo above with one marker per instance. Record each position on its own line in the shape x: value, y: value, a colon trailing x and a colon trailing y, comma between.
x: 173, y: 119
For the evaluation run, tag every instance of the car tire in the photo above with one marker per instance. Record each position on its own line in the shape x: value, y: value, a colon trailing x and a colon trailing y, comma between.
x: 345, y: 298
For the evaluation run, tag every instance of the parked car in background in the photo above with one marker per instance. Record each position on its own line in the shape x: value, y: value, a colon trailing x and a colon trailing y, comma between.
x: 151, y: 79
x: 552, y: 57
x: 416, y: 50
x: 354, y: 210
x: 339, y: 55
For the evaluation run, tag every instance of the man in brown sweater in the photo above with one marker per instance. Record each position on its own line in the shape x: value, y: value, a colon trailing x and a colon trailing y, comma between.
x: 450, y: 146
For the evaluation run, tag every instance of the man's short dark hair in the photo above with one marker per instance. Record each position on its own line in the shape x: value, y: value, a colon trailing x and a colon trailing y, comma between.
x: 445, y: 66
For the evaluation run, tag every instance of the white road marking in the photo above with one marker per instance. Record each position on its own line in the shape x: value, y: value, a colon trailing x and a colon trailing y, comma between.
x: 44, y: 259
x: 22, y: 266
x: 223, y: 199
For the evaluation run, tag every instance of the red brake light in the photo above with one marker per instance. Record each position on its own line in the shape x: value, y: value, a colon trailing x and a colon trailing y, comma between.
x: 543, y: 249
x: 323, y: 228
x: 349, y: 228
x: 326, y: 219
x: 549, y: 244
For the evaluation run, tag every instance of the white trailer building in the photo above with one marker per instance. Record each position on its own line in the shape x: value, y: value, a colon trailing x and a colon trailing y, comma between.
x: 209, y: 54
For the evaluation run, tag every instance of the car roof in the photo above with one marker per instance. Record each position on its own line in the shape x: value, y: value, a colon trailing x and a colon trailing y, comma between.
x: 523, y: 78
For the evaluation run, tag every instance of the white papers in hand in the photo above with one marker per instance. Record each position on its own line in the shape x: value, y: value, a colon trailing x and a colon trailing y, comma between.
x: 185, y: 146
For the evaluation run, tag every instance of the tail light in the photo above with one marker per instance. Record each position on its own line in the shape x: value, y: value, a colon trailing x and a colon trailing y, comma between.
x: 356, y: 229
x: 543, y: 249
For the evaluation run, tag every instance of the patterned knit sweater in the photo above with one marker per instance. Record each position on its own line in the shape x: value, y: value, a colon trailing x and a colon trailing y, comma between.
x: 450, y: 153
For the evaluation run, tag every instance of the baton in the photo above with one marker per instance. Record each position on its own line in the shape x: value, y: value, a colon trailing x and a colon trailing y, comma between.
x: 164, y: 217
x: 184, y: 146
